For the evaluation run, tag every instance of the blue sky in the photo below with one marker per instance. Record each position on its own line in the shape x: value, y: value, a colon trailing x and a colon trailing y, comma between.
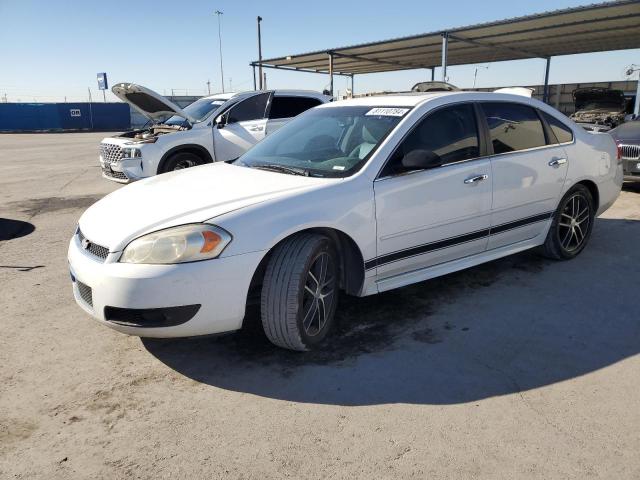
x: 52, y: 49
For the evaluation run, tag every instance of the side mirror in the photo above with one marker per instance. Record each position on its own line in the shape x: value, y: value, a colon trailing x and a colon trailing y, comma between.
x: 220, y: 121
x: 421, y: 159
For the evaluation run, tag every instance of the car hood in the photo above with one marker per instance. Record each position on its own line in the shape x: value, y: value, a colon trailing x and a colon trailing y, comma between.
x: 149, y: 103
x: 188, y: 196
x: 602, y: 99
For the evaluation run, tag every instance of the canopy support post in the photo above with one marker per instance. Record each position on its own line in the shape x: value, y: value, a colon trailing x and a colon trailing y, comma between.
x: 445, y: 49
x: 433, y: 74
x: 352, y: 92
x: 331, y: 73
x: 545, y: 93
x: 636, y: 106
x: 253, y: 65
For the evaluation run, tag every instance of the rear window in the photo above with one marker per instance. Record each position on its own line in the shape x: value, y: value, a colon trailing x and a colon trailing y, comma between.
x: 562, y: 133
x: 287, y: 107
x: 513, y: 126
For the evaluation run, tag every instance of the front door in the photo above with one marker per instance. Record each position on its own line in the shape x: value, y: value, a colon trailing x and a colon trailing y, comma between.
x: 245, y: 125
x: 432, y: 216
x: 528, y: 170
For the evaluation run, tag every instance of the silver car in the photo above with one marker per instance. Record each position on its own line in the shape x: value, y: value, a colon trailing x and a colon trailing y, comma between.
x: 627, y: 136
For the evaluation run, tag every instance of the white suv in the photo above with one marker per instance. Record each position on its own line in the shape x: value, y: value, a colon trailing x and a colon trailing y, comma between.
x: 220, y: 127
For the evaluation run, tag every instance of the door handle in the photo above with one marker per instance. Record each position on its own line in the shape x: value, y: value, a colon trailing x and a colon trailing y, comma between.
x: 556, y: 162
x: 256, y: 129
x: 477, y: 178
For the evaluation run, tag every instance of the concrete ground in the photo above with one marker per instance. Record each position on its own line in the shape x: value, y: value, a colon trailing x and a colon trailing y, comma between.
x: 520, y: 368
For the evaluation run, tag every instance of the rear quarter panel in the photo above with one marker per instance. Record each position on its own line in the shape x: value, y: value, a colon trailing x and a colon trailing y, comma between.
x: 593, y: 156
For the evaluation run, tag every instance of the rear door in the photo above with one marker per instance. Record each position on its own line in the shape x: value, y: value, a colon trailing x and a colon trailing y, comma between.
x: 284, y: 107
x: 432, y: 216
x: 528, y: 169
x: 245, y: 126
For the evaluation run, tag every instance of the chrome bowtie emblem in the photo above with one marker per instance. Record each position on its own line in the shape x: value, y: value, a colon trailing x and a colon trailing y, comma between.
x: 85, y: 243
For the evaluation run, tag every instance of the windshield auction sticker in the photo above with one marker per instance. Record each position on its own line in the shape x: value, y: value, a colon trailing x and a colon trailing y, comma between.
x: 387, y: 111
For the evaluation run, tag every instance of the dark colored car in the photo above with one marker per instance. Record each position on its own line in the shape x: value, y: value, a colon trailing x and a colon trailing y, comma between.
x: 627, y: 136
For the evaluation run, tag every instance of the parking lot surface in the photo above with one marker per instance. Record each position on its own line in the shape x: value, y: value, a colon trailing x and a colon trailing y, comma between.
x: 520, y: 368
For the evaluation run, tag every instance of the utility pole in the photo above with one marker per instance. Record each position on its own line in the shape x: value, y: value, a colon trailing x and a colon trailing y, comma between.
x: 260, y: 54
x: 218, y: 13
x: 209, y: 86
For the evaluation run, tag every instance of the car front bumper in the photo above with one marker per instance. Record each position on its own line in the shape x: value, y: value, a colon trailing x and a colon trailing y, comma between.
x: 123, y: 171
x: 219, y: 286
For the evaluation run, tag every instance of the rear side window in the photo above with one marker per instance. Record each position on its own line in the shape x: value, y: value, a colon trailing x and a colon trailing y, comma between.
x: 563, y: 134
x: 513, y: 127
x: 287, y: 107
x: 252, y: 108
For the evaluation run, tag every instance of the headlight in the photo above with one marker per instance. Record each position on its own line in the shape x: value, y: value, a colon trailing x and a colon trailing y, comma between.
x: 131, y: 153
x: 188, y: 243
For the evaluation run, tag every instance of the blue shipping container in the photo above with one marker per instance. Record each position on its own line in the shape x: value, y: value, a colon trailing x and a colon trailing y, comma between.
x: 33, y: 117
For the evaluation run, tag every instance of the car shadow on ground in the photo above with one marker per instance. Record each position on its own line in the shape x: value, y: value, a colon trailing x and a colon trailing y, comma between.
x: 633, y: 187
x: 507, y: 326
x: 10, y: 229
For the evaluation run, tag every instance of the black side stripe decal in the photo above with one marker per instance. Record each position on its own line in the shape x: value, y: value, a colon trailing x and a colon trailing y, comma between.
x: 452, y: 241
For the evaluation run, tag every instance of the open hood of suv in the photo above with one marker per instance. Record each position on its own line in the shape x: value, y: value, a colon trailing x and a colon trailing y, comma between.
x: 149, y: 103
x: 596, y: 98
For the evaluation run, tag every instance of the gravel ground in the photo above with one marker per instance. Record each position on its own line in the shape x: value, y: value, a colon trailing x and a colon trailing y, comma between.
x: 520, y: 368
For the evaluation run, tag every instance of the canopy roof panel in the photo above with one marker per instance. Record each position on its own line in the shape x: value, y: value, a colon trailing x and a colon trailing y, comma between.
x: 591, y: 28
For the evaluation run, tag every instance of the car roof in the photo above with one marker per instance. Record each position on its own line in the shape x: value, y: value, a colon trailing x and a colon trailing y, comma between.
x: 417, y: 98
x: 302, y: 93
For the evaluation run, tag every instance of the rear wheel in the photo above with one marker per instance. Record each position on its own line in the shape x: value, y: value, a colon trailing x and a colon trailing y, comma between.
x: 572, y: 225
x: 180, y: 161
x: 300, y: 292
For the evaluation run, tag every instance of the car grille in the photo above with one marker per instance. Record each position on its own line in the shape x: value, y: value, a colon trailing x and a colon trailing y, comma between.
x: 85, y: 293
x: 93, y: 248
x: 110, y: 153
x: 113, y: 174
x: 630, y: 152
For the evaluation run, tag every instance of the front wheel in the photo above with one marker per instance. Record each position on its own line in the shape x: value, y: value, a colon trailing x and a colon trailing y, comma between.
x: 180, y: 161
x: 572, y: 225
x: 300, y: 292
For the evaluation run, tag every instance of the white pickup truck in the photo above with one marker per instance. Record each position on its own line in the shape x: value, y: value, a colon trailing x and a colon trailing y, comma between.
x: 219, y: 127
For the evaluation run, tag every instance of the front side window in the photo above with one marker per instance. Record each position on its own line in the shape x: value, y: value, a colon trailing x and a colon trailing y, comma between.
x: 562, y: 133
x: 450, y: 133
x: 288, y: 107
x: 252, y: 108
x: 324, y: 142
x: 513, y: 126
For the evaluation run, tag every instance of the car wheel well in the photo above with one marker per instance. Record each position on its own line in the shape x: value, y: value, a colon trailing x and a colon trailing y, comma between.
x: 351, y: 263
x: 194, y: 149
x: 593, y: 189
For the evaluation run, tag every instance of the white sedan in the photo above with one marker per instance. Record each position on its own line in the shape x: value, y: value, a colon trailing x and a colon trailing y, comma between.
x: 355, y: 197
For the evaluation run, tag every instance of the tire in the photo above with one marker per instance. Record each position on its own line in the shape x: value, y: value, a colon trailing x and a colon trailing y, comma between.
x: 571, y: 226
x: 181, y: 160
x: 297, y: 312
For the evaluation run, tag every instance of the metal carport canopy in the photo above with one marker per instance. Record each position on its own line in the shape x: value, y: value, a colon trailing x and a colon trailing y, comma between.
x: 590, y: 28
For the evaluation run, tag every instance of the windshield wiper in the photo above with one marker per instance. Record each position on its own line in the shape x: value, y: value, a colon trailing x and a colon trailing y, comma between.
x: 283, y: 169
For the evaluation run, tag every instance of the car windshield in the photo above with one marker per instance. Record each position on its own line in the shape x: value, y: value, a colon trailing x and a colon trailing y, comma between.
x: 200, y: 109
x: 325, y: 142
